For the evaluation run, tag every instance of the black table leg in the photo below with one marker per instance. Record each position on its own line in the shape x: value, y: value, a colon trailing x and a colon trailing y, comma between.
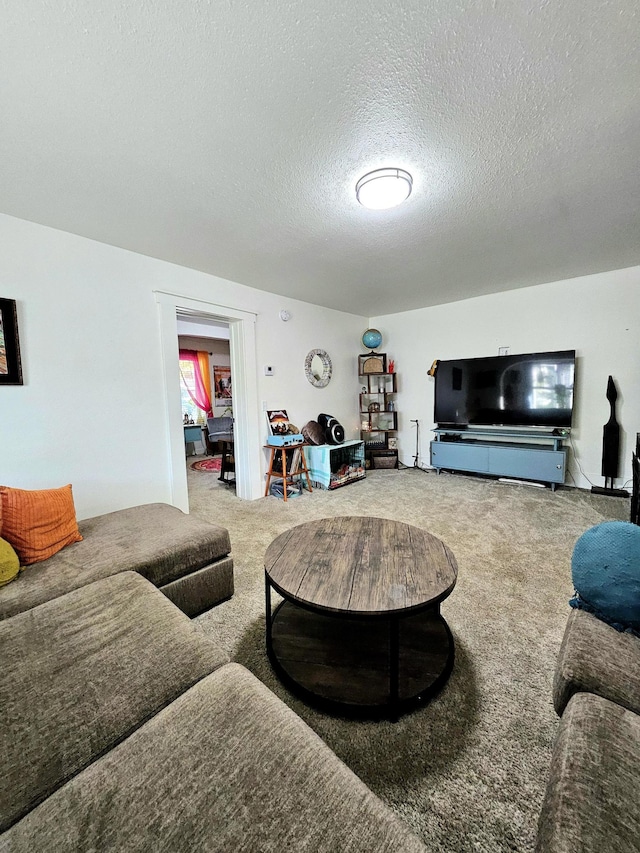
x: 267, y: 606
x: 394, y: 666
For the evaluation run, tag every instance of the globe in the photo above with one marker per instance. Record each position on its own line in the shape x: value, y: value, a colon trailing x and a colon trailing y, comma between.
x: 372, y: 338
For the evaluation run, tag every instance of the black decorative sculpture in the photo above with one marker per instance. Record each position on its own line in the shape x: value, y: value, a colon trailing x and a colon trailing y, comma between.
x: 610, y: 448
x: 611, y: 439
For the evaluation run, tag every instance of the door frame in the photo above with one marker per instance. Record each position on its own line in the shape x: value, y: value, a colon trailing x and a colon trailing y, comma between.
x: 242, y: 352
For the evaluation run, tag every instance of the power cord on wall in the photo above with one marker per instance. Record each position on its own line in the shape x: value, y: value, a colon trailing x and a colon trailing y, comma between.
x: 575, y: 456
x: 416, y: 463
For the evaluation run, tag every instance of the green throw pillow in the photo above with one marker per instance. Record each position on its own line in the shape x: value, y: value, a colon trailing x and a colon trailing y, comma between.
x: 9, y: 563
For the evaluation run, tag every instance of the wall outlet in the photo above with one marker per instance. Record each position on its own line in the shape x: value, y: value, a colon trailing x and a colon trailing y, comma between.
x: 503, y: 350
x: 268, y: 370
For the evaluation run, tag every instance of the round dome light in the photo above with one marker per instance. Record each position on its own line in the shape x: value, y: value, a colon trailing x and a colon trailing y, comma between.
x: 384, y: 188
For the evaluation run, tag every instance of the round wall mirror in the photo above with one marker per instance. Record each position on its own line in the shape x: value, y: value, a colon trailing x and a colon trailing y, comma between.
x: 317, y: 368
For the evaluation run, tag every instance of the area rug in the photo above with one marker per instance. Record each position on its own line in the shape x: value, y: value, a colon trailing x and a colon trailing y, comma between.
x: 467, y: 771
x: 212, y: 464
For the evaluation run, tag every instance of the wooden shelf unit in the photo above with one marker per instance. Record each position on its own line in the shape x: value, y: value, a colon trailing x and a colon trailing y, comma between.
x: 378, y: 414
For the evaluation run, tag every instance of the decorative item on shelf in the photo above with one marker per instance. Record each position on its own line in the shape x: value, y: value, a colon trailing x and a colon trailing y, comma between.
x: 391, y: 406
x: 374, y: 407
x: 282, y: 432
x: 385, y: 461
x: 333, y: 430
x: 278, y: 421
x: 313, y: 433
x: 372, y: 339
x: 372, y: 363
x: 393, y: 443
x: 433, y: 368
x: 392, y: 366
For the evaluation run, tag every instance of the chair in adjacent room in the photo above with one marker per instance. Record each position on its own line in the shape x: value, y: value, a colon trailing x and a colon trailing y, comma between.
x: 220, y: 440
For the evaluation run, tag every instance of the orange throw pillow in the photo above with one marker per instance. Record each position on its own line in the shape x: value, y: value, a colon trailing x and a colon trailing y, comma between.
x: 38, y: 523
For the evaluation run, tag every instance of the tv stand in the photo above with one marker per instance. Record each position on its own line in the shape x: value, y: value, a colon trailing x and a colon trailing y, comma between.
x: 536, y: 455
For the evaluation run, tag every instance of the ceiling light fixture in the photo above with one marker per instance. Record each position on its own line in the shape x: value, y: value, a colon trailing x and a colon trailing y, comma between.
x: 384, y: 188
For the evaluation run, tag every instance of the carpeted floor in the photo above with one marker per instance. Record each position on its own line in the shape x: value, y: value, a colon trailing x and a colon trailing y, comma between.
x: 468, y: 770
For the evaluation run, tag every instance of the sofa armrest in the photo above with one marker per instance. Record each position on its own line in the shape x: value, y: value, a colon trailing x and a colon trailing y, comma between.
x: 595, y: 658
x: 591, y: 803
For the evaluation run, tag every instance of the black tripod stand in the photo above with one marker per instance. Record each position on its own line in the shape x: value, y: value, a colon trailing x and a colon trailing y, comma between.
x: 415, y: 458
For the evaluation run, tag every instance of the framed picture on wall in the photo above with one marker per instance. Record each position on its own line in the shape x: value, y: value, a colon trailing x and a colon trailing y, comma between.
x: 10, y: 366
x: 222, y: 381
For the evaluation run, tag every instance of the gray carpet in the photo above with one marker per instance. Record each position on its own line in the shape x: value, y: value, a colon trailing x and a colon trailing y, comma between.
x: 468, y: 770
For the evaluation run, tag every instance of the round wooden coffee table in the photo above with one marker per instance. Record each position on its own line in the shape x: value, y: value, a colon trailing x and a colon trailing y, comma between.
x: 359, y: 630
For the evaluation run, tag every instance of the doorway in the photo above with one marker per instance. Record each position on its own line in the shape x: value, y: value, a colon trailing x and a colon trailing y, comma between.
x: 242, y: 351
x: 206, y: 383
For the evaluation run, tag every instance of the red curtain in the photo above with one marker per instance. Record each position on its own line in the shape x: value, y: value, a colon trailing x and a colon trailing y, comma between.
x: 199, y: 394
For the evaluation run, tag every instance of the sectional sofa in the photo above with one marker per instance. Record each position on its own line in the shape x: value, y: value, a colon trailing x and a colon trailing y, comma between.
x: 125, y: 728
x: 592, y: 804
x: 187, y: 558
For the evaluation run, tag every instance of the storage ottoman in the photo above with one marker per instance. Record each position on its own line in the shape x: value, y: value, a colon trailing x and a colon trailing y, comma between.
x: 187, y: 558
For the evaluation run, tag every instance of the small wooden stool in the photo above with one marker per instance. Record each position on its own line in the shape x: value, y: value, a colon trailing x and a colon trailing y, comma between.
x: 287, y: 476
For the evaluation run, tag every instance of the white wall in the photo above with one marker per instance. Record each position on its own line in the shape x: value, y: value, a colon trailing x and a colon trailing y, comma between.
x: 91, y: 411
x: 597, y: 315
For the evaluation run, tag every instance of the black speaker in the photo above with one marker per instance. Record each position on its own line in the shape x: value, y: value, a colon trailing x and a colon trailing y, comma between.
x: 333, y: 431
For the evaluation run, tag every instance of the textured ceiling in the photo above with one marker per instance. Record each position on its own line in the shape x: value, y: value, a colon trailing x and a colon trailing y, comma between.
x: 227, y: 136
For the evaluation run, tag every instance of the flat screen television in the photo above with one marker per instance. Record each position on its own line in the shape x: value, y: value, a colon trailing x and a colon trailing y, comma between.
x: 530, y: 390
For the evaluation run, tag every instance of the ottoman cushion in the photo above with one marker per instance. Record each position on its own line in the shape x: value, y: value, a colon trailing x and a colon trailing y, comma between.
x: 156, y: 540
x: 80, y: 673
x: 226, y: 767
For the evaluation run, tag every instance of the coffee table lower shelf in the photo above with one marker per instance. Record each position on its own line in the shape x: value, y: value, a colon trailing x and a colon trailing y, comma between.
x: 368, y: 667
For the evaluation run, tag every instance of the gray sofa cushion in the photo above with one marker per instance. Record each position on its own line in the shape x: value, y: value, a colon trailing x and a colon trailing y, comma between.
x: 592, y: 803
x: 596, y: 658
x: 156, y: 540
x: 80, y: 673
x: 226, y: 767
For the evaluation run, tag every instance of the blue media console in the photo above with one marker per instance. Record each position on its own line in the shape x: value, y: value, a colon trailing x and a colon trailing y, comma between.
x: 521, y: 454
